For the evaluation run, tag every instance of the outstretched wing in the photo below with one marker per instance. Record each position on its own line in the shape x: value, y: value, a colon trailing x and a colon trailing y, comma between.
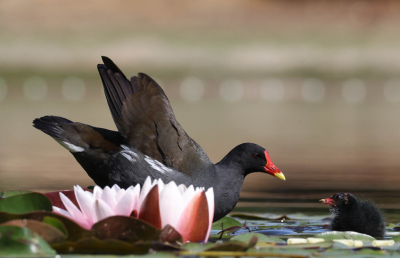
x: 144, y: 117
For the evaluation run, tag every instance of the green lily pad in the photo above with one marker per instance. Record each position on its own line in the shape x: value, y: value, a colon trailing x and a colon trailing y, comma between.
x: 158, y: 255
x: 396, y: 238
x: 6, y: 194
x: 125, y: 229
x: 24, y: 203
x: 93, y: 245
x: 49, y: 233
x: 196, y: 247
x: 284, y: 251
x: 15, y: 241
x: 391, y: 226
x: 261, y: 238
x: 329, y: 236
x: 122, y: 228
x: 228, y: 247
x: 56, y: 223
x: 225, y: 223
x: 75, y: 232
x: 133, y: 230
x: 170, y: 235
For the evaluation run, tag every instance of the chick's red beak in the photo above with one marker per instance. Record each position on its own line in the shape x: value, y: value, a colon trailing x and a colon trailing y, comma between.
x: 271, y: 169
x: 328, y: 201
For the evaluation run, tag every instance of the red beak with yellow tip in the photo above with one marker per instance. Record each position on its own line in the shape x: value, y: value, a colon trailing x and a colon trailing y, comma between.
x: 328, y: 201
x: 271, y: 169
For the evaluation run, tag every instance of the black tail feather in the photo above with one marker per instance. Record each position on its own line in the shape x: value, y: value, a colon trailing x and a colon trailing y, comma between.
x: 51, y: 125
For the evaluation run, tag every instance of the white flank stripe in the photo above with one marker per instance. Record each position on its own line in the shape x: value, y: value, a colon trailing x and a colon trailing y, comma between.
x: 128, y: 157
x: 157, y: 165
x: 69, y: 146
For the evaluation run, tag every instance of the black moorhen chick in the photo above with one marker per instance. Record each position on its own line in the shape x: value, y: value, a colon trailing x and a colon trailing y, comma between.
x: 351, y: 214
x: 150, y: 141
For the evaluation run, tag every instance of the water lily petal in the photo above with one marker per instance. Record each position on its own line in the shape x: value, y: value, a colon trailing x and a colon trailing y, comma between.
x: 136, y: 194
x: 211, y: 207
x: 97, y: 191
x: 85, y: 200
x: 182, y: 188
x: 102, y: 210
x: 108, y: 196
x: 194, y: 222
x: 116, y: 188
x: 147, y: 186
x: 188, y: 194
x: 160, y: 184
x: 62, y: 211
x: 119, y: 195
x: 126, y: 203
x: 150, y: 208
x: 75, y: 212
x: 171, y: 205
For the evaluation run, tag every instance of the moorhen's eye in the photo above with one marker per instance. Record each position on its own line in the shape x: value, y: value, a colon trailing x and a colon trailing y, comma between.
x: 256, y: 155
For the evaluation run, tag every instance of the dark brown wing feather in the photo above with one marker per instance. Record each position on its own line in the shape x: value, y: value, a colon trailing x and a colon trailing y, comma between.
x: 144, y: 117
x: 88, y: 137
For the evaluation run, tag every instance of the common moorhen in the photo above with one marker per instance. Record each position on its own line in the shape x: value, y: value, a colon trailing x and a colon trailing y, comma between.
x: 351, y: 214
x: 150, y: 141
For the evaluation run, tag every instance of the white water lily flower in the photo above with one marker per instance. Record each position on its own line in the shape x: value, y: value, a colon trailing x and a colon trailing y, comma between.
x: 100, y: 204
x: 189, y: 210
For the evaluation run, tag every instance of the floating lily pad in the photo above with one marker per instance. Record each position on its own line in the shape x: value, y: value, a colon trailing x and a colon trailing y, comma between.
x: 196, y: 247
x: 49, y: 233
x: 284, y: 251
x: 261, y: 238
x: 56, y: 223
x: 225, y: 223
x: 170, y: 235
x: 96, y: 246
x: 329, y: 236
x: 75, y: 231
x: 16, y: 241
x: 158, y: 255
x: 6, y: 194
x: 396, y: 238
x: 234, y: 246
x: 132, y: 230
x: 24, y: 203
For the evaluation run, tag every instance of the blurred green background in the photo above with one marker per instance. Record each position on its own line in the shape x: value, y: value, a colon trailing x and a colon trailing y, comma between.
x: 317, y: 83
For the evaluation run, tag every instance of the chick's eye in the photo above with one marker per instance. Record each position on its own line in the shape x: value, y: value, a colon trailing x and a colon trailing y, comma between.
x: 256, y: 155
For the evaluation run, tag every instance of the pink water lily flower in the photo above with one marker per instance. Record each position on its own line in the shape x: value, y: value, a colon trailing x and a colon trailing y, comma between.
x: 189, y: 210
x: 100, y: 204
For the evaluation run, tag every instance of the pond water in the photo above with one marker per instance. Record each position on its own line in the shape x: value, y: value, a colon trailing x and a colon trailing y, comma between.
x: 286, y: 222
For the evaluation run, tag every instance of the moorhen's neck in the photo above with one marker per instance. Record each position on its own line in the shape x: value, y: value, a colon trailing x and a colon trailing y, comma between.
x: 228, y: 179
x: 238, y: 161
